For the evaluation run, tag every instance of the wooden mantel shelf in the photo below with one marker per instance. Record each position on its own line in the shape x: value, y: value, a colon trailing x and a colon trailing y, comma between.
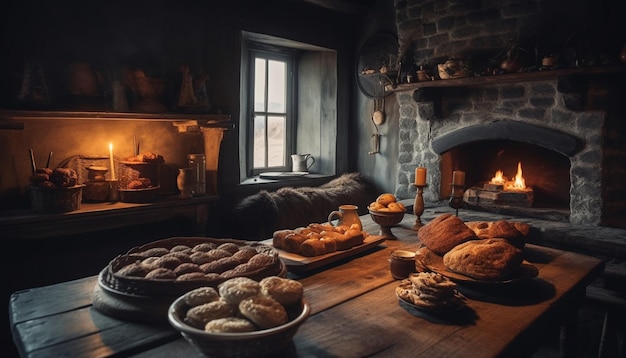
x: 103, y: 216
x: 507, y: 78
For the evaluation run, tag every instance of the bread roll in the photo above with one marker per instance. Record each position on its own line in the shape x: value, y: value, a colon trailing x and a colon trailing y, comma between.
x: 313, y: 247
x: 278, y: 238
x: 445, y: 232
x: 486, y: 259
x: 293, y: 242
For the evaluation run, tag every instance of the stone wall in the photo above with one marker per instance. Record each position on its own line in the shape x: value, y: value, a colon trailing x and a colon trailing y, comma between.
x: 536, y: 103
x: 432, y: 31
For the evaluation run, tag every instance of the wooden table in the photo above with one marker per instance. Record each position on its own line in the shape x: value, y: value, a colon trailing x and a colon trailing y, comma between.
x: 355, y: 313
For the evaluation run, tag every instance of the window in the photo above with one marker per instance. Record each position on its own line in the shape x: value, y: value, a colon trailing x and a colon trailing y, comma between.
x: 272, y: 118
x: 289, y: 104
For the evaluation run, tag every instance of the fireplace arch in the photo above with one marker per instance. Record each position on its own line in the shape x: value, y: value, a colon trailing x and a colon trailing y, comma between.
x: 507, y: 130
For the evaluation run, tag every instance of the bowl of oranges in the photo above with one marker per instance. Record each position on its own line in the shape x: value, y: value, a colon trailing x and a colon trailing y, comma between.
x: 387, y: 212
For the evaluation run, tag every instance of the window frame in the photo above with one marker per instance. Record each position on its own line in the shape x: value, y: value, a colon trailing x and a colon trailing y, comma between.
x: 290, y: 57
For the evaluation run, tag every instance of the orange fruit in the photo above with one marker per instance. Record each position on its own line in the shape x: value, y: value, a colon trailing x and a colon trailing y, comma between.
x: 396, y: 207
x: 385, y: 199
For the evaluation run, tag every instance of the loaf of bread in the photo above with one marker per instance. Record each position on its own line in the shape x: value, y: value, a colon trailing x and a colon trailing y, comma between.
x: 484, y: 259
x: 64, y: 177
x: 318, y: 239
x: 514, y: 232
x: 445, y: 232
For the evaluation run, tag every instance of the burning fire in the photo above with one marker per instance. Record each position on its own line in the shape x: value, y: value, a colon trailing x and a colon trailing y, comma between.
x: 517, y: 184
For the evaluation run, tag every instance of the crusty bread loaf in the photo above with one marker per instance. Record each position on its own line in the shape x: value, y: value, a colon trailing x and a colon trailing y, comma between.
x: 445, y: 232
x: 514, y: 232
x: 485, y: 259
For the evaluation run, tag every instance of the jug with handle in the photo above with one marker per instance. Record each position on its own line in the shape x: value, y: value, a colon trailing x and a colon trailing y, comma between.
x: 347, y: 216
x: 301, y: 162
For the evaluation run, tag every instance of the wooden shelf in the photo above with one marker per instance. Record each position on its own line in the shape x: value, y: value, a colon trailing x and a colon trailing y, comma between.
x: 200, y: 117
x: 507, y: 78
x: 102, y: 216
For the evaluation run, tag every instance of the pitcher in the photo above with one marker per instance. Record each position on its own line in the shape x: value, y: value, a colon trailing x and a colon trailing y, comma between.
x: 347, y: 215
x: 301, y: 162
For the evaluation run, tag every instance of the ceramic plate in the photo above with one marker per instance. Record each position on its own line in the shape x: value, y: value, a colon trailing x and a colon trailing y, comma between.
x: 434, y: 309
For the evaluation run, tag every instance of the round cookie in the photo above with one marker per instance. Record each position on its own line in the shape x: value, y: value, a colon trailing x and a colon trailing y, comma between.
x: 191, y: 276
x: 201, y: 295
x: 264, y: 311
x: 283, y: 290
x: 204, y: 247
x: 229, y: 246
x: 136, y: 269
x: 199, y: 316
x: 170, y: 262
x: 229, y: 325
x: 161, y: 273
x: 237, y: 289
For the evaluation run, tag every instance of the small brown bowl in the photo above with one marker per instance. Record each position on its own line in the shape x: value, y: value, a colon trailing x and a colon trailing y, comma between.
x: 386, y: 220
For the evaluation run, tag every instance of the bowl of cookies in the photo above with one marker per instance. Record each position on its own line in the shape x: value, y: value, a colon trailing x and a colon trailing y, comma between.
x: 241, y: 317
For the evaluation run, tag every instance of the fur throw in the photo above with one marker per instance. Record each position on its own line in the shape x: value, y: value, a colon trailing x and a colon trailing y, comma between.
x: 258, y: 216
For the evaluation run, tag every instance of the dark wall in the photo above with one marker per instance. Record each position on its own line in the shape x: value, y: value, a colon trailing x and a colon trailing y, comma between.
x: 158, y: 37
x: 161, y: 36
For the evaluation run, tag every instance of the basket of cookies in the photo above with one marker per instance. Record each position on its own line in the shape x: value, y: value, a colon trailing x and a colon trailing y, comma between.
x: 171, y: 267
x: 241, y: 317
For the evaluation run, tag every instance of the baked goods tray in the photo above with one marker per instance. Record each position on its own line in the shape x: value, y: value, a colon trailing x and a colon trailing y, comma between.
x: 299, y: 263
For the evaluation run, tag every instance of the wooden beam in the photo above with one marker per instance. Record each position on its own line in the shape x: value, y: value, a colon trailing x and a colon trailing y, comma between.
x: 353, y: 7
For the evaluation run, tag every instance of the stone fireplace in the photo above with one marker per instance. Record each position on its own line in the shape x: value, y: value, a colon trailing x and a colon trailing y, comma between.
x: 567, y: 130
x: 481, y: 129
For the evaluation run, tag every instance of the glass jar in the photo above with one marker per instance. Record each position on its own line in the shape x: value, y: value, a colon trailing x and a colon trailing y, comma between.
x: 198, y: 163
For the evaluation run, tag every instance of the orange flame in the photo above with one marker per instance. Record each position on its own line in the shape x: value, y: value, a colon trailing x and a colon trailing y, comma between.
x: 519, y: 183
x: 516, y: 184
x: 498, y: 179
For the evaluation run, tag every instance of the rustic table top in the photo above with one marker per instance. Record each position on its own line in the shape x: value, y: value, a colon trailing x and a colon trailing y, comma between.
x: 354, y: 312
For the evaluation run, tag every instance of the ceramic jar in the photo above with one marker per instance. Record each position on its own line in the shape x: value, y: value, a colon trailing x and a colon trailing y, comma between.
x: 185, y: 182
x: 402, y: 264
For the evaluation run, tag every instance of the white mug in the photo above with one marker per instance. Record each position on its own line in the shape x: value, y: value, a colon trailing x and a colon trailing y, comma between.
x: 301, y: 162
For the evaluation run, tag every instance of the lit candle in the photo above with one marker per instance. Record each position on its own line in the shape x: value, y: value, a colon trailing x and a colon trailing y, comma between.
x: 458, y: 178
x: 420, y: 176
x: 112, y: 162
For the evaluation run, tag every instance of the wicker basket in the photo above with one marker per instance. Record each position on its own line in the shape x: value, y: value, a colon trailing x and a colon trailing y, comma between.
x: 55, y: 200
x: 142, y: 287
x: 130, y: 171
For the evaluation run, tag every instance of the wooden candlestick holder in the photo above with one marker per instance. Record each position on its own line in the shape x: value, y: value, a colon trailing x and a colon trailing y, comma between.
x: 418, y: 206
x: 456, y: 197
